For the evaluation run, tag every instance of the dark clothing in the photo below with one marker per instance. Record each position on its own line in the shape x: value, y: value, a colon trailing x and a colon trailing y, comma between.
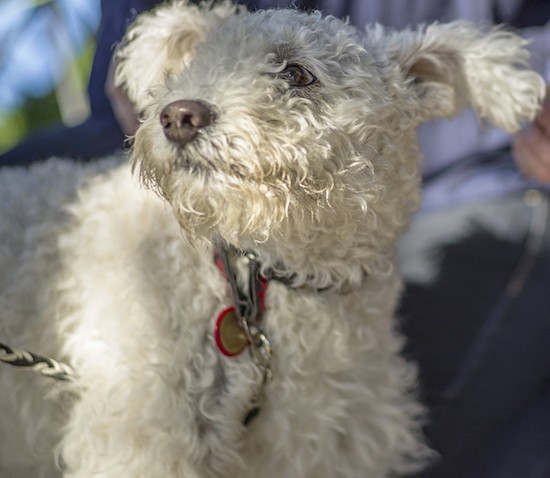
x: 476, y: 311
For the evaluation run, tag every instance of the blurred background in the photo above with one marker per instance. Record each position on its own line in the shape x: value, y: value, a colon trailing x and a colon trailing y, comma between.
x: 46, y: 52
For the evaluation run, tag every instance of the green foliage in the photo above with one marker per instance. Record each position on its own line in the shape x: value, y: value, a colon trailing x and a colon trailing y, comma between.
x: 32, y: 115
x: 36, y: 113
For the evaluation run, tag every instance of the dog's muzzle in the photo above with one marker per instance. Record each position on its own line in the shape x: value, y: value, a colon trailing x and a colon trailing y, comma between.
x: 183, y: 119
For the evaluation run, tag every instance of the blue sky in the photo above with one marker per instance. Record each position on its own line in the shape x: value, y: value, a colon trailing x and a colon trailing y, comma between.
x: 36, y: 42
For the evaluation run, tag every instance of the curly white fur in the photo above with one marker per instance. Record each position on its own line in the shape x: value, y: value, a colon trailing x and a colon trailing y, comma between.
x: 318, y: 180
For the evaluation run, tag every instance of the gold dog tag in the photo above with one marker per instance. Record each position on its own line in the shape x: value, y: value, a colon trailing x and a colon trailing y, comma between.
x: 230, y: 337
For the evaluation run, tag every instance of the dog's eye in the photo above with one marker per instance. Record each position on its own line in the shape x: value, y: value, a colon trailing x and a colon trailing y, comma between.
x: 295, y: 75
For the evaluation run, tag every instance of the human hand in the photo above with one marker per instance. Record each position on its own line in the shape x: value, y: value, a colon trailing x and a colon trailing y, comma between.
x: 531, y: 147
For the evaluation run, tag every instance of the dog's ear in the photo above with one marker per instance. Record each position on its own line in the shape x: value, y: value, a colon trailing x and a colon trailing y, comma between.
x: 454, y: 65
x: 162, y: 41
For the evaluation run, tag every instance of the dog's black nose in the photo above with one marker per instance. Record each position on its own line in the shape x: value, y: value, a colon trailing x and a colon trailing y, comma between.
x: 183, y: 119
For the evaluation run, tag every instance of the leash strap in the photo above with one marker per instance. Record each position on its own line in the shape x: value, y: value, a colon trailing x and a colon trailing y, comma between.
x: 40, y: 364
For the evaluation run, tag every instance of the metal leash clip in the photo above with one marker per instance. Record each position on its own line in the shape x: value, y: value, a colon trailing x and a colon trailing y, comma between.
x: 249, y: 304
x: 251, y: 316
x: 249, y: 307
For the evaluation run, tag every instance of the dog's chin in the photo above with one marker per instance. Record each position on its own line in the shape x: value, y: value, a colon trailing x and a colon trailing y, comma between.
x: 225, y: 223
x: 209, y: 205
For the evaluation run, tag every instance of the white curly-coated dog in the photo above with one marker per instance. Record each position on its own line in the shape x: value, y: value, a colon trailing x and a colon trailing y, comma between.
x: 235, y: 317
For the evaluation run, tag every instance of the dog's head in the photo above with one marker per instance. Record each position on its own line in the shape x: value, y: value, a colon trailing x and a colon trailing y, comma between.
x: 297, y: 131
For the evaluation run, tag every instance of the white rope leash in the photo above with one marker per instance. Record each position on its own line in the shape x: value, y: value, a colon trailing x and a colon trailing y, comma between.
x: 36, y: 363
